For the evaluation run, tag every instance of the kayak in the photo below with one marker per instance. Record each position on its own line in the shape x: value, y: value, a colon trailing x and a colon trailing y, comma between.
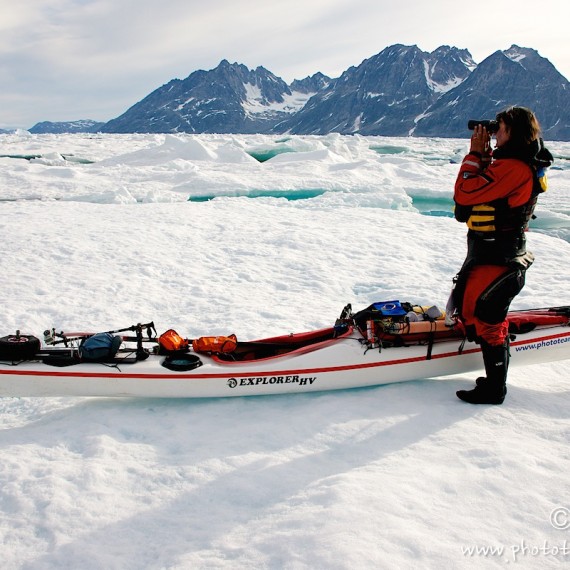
x: 334, y: 358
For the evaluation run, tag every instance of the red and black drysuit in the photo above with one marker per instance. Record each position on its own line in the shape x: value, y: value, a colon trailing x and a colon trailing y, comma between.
x: 496, y: 199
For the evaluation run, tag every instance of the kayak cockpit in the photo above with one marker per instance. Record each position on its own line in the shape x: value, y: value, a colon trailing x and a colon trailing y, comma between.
x: 298, y: 343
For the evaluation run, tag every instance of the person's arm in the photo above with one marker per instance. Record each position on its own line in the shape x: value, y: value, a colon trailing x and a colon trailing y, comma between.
x: 506, y: 178
x: 481, y: 180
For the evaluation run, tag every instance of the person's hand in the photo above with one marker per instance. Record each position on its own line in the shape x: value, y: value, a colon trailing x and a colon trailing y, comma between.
x: 481, y: 141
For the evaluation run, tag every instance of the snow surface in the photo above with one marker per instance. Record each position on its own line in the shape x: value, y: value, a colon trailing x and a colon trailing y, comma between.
x: 399, y: 476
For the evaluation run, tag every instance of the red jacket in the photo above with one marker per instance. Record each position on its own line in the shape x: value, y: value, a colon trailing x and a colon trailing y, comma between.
x: 503, y: 178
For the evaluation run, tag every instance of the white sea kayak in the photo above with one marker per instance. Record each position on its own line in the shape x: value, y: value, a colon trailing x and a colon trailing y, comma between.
x: 334, y: 358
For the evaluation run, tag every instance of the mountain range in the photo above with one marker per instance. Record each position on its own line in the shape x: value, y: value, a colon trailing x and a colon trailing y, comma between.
x: 81, y: 126
x: 401, y: 91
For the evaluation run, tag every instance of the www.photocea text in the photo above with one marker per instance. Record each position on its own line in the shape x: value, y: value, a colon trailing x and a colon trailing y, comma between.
x: 518, y: 551
x: 541, y: 344
x: 559, y: 520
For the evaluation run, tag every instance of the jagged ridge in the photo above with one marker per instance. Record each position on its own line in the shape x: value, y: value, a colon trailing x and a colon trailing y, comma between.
x: 401, y: 91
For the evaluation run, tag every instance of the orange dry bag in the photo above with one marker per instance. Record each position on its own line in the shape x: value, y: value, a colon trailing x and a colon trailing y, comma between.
x: 171, y: 341
x: 215, y: 344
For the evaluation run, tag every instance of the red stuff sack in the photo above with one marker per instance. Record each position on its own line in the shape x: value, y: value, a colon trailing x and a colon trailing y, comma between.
x: 215, y: 344
x: 171, y: 341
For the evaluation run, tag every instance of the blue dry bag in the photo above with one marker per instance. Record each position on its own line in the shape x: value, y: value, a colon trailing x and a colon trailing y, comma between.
x: 100, y: 346
x: 389, y: 309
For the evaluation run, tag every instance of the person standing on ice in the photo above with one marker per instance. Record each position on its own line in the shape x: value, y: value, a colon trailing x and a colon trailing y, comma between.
x: 495, y: 194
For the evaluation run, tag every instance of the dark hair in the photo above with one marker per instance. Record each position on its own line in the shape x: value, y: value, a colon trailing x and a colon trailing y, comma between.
x: 522, y: 124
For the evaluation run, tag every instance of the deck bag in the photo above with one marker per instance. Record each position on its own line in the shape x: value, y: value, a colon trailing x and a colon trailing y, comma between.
x: 390, y: 308
x: 384, y: 311
x: 427, y: 313
x: 18, y: 347
x: 99, y: 347
x: 171, y: 342
x: 215, y: 344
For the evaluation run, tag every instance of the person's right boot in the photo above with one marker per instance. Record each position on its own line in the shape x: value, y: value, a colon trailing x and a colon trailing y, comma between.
x: 491, y: 389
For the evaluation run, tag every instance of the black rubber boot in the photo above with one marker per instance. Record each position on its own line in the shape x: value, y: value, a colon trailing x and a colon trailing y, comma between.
x: 491, y: 389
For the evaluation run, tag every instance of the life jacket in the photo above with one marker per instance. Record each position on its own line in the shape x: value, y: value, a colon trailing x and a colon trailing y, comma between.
x: 497, y: 217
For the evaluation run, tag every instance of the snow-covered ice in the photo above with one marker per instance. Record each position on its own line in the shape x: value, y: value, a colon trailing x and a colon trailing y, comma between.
x: 196, y: 234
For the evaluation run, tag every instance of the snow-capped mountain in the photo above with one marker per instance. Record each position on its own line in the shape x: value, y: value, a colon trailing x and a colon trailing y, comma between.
x: 228, y: 99
x: 81, y: 126
x: 401, y: 91
x: 384, y: 94
x: 517, y: 76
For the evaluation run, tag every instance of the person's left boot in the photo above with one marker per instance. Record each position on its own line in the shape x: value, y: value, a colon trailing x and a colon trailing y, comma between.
x: 483, y: 395
x: 492, y: 389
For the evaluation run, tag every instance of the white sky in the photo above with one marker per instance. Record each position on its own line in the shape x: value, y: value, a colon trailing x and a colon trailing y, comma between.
x: 92, y: 59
